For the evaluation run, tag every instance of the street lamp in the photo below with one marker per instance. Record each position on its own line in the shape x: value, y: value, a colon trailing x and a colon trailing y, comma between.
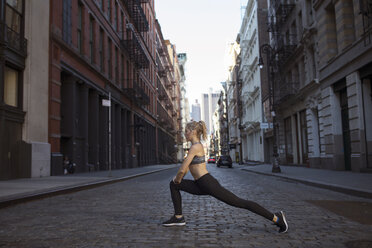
x: 270, y: 52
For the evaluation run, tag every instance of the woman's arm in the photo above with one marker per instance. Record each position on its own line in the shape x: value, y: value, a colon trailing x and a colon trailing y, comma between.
x: 185, y: 165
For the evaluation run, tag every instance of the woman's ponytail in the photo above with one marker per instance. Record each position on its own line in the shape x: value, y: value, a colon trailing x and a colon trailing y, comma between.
x: 199, y: 127
x: 203, y: 130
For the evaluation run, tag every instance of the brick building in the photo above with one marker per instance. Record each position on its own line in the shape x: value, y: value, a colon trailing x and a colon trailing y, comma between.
x: 168, y: 102
x: 101, y: 49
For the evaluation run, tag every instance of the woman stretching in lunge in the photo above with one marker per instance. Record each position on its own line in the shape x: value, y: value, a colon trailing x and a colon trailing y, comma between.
x: 205, y: 184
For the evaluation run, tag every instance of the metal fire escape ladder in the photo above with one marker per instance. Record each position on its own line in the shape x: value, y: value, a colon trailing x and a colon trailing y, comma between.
x: 136, y: 94
x: 284, y: 46
x: 137, y: 14
x: 135, y: 51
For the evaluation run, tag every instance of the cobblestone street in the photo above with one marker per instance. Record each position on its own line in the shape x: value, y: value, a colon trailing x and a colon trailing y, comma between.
x: 129, y: 214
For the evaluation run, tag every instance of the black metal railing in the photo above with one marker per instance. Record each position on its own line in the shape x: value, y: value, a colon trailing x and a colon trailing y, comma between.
x: 12, y: 39
x: 162, y: 72
x: 286, y: 47
x: 135, y: 51
x: 162, y: 95
x: 164, y: 119
x: 137, y: 14
x: 282, y: 9
x: 137, y: 95
x: 286, y: 90
x: 161, y: 50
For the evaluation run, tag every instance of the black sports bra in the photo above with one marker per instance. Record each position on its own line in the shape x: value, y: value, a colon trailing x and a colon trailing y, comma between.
x: 198, y: 160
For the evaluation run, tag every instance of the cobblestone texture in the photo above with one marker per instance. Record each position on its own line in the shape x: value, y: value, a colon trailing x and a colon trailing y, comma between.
x: 129, y: 214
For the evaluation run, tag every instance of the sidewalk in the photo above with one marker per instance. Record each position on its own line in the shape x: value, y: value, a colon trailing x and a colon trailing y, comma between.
x: 353, y: 183
x: 26, y: 189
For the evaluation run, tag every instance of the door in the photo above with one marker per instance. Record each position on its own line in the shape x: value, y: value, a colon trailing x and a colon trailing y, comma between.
x: 303, y: 126
x: 345, y: 128
x: 288, y: 140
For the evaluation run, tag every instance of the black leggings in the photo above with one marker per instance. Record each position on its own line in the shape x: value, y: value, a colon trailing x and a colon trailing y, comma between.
x: 208, y: 185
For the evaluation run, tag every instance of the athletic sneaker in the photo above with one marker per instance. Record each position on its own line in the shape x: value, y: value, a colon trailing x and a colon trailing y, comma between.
x: 282, y: 222
x: 175, y: 221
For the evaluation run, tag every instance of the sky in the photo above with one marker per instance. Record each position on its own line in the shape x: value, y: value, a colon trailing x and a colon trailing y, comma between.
x: 201, y: 29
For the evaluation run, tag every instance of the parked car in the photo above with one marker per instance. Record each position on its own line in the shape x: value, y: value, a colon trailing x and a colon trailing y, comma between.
x: 224, y: 160
x: 212, y: 159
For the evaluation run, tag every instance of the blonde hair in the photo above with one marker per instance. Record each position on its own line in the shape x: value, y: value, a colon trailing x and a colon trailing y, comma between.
x: 199, y: 127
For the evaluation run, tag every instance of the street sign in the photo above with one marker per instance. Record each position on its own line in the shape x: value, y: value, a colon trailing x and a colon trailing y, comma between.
x: 264, y: 125
x: 106, y: 103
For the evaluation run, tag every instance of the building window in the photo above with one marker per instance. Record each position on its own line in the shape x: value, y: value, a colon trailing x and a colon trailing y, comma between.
x: 101, y: 64
x: 13, y: 14
x: 116, y: 65
x: 80, y: 28
x: 11, y: 86
x: 331, y: 32
x: 66, y: 21
x: 109, y: 10
x: 304, y: 139
x: 121, y: 25
x: 91, y: 40
x: 122, y: 71
x: 116, y: 17
x: 288, y: 139
x: 109, y: 61
x: 128, y: 75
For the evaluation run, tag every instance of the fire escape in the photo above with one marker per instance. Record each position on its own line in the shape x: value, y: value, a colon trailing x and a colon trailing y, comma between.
x: 137, y: 14
x: 136, y: 51
x: 284, y: 45
x: 137, y: 94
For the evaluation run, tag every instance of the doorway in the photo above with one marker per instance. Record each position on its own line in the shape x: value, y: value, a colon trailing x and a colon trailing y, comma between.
x: 345, y: 128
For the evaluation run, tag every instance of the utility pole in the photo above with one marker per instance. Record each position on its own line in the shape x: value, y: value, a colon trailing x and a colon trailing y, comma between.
x: 107, y: 103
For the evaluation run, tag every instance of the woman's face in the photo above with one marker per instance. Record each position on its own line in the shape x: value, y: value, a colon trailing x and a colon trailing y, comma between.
x: 188, y: 134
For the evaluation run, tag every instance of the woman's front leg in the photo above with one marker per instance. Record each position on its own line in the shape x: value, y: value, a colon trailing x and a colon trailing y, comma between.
x: 186, y: 185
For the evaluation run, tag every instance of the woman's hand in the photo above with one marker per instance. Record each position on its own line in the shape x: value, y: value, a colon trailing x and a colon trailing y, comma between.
x: 175, y: 180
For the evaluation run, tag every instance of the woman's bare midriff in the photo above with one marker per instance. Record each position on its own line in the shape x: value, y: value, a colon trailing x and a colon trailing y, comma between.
x: 198, y: 170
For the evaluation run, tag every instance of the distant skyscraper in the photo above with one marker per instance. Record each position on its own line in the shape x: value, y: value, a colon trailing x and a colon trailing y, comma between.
x: 195, y: 111
x: 208, y: 106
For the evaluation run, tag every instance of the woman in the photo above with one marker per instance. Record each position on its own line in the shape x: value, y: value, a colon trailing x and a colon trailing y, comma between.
x: 205, y: 184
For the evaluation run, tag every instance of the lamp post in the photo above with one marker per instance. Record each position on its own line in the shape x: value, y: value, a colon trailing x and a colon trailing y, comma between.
x: 270, y: 55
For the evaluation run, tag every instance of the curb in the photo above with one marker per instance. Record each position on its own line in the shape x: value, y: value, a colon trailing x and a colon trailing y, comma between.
x: 336, y: 188
x: 70, y: 189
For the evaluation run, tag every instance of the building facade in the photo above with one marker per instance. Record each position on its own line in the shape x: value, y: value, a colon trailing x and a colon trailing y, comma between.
x: 24, y: 41
x: 232, y: 100
x: 324, y: 55
x: 168, y: 101
x: 185, y: 114
x: 101, y: 50
x: 196, y: 111
x: 251, y: 77
x: 207, y: 107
